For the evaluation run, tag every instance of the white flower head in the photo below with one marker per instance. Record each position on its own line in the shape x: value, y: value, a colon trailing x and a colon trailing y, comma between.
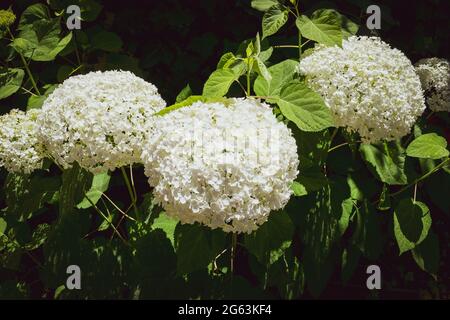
x: 20, y: 150
x: 99, y: 119
x: 370, y: 87
x: 225, y: 165
x: 434, y: 74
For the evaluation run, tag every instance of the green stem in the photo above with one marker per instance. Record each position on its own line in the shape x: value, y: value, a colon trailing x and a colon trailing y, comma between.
x: 333, y: 134
x: 27, y: 69
x: 100, y: 212
x: 426, y: 175
x: 130, y: 192
x: 248, y: 81
x: 287, y: 46
x: 233, y: 251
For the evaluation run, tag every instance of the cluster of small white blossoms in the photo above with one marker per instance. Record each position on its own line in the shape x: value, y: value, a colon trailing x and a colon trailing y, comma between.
x: 99, y: 120
x: 225, y: 165
x: 370, y: 87
x: 434, y: 74
x: 20, y: 150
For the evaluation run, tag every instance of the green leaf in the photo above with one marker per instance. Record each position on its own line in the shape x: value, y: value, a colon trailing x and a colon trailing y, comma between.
x: 426, y: 254
x: 184, y: 94
x: 323, y: 27
x: 412, y: 221
x: 225, y: 60
x: 386, y: 161
x: 106, y: 41
x: 33, y: 13
x: 100, y: 184
x: 39, y: 236
x: 3, y: 226
x: 429, y: 146
x: 298, y: 189
x: 347, y: 210
x: 304, y: 107
x: 309, y: 181
x: 271, y: 239
x: 166, y: 224
x: 274, y: 18
x: 196, y: 246
x: 350, y: 259
x: 319, y: 216
x: 155, y: 256
x: 282, y: 73
x: 35, y: 102
x: 263, y: 5
x: 41, y: 41
x: 261, y: 69
x: 219, y: 83
x: 189, y: 101
x: 25, y: 195
x: 367, y: 236
x: 75, y: 181
x: 384, y: 202
x: 10, y: 81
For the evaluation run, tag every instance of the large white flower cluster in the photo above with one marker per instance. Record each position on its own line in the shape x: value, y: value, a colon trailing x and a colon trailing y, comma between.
x: 434, y: 74
x: 370, y: 87
x: 99, y: 119
x: 20, y: 150
x: 225, y: 165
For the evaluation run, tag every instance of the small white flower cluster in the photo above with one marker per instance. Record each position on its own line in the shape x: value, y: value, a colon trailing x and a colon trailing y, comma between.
x: 370, y: 87
x: 225, y: 165
x: 20, y: 150
x: 99, y: 120
x: 434, y: 74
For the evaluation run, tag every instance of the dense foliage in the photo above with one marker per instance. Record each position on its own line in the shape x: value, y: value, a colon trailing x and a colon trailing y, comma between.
x: 373, y: 178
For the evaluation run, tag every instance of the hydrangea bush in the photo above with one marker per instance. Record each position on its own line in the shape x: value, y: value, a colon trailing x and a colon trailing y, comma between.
x: 296, y: 165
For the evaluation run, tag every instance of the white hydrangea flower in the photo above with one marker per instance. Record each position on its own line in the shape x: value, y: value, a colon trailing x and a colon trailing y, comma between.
x: 225, y: 165
x: 434, y: 74
x: 99, y: 119
x: 370, y: 87
x: 20, y: 150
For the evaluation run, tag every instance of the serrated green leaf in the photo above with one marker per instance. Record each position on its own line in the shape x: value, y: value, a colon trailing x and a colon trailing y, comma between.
x: 412, y: 221
x: 304, y: 107
x: 10, y: 81
x: 282, y: 73
x: 219, y: 83
x: 387, y: 162
x: 274, y: 18
x: 166, y: 224
x: 428, y: 146
x: 323, y: 27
